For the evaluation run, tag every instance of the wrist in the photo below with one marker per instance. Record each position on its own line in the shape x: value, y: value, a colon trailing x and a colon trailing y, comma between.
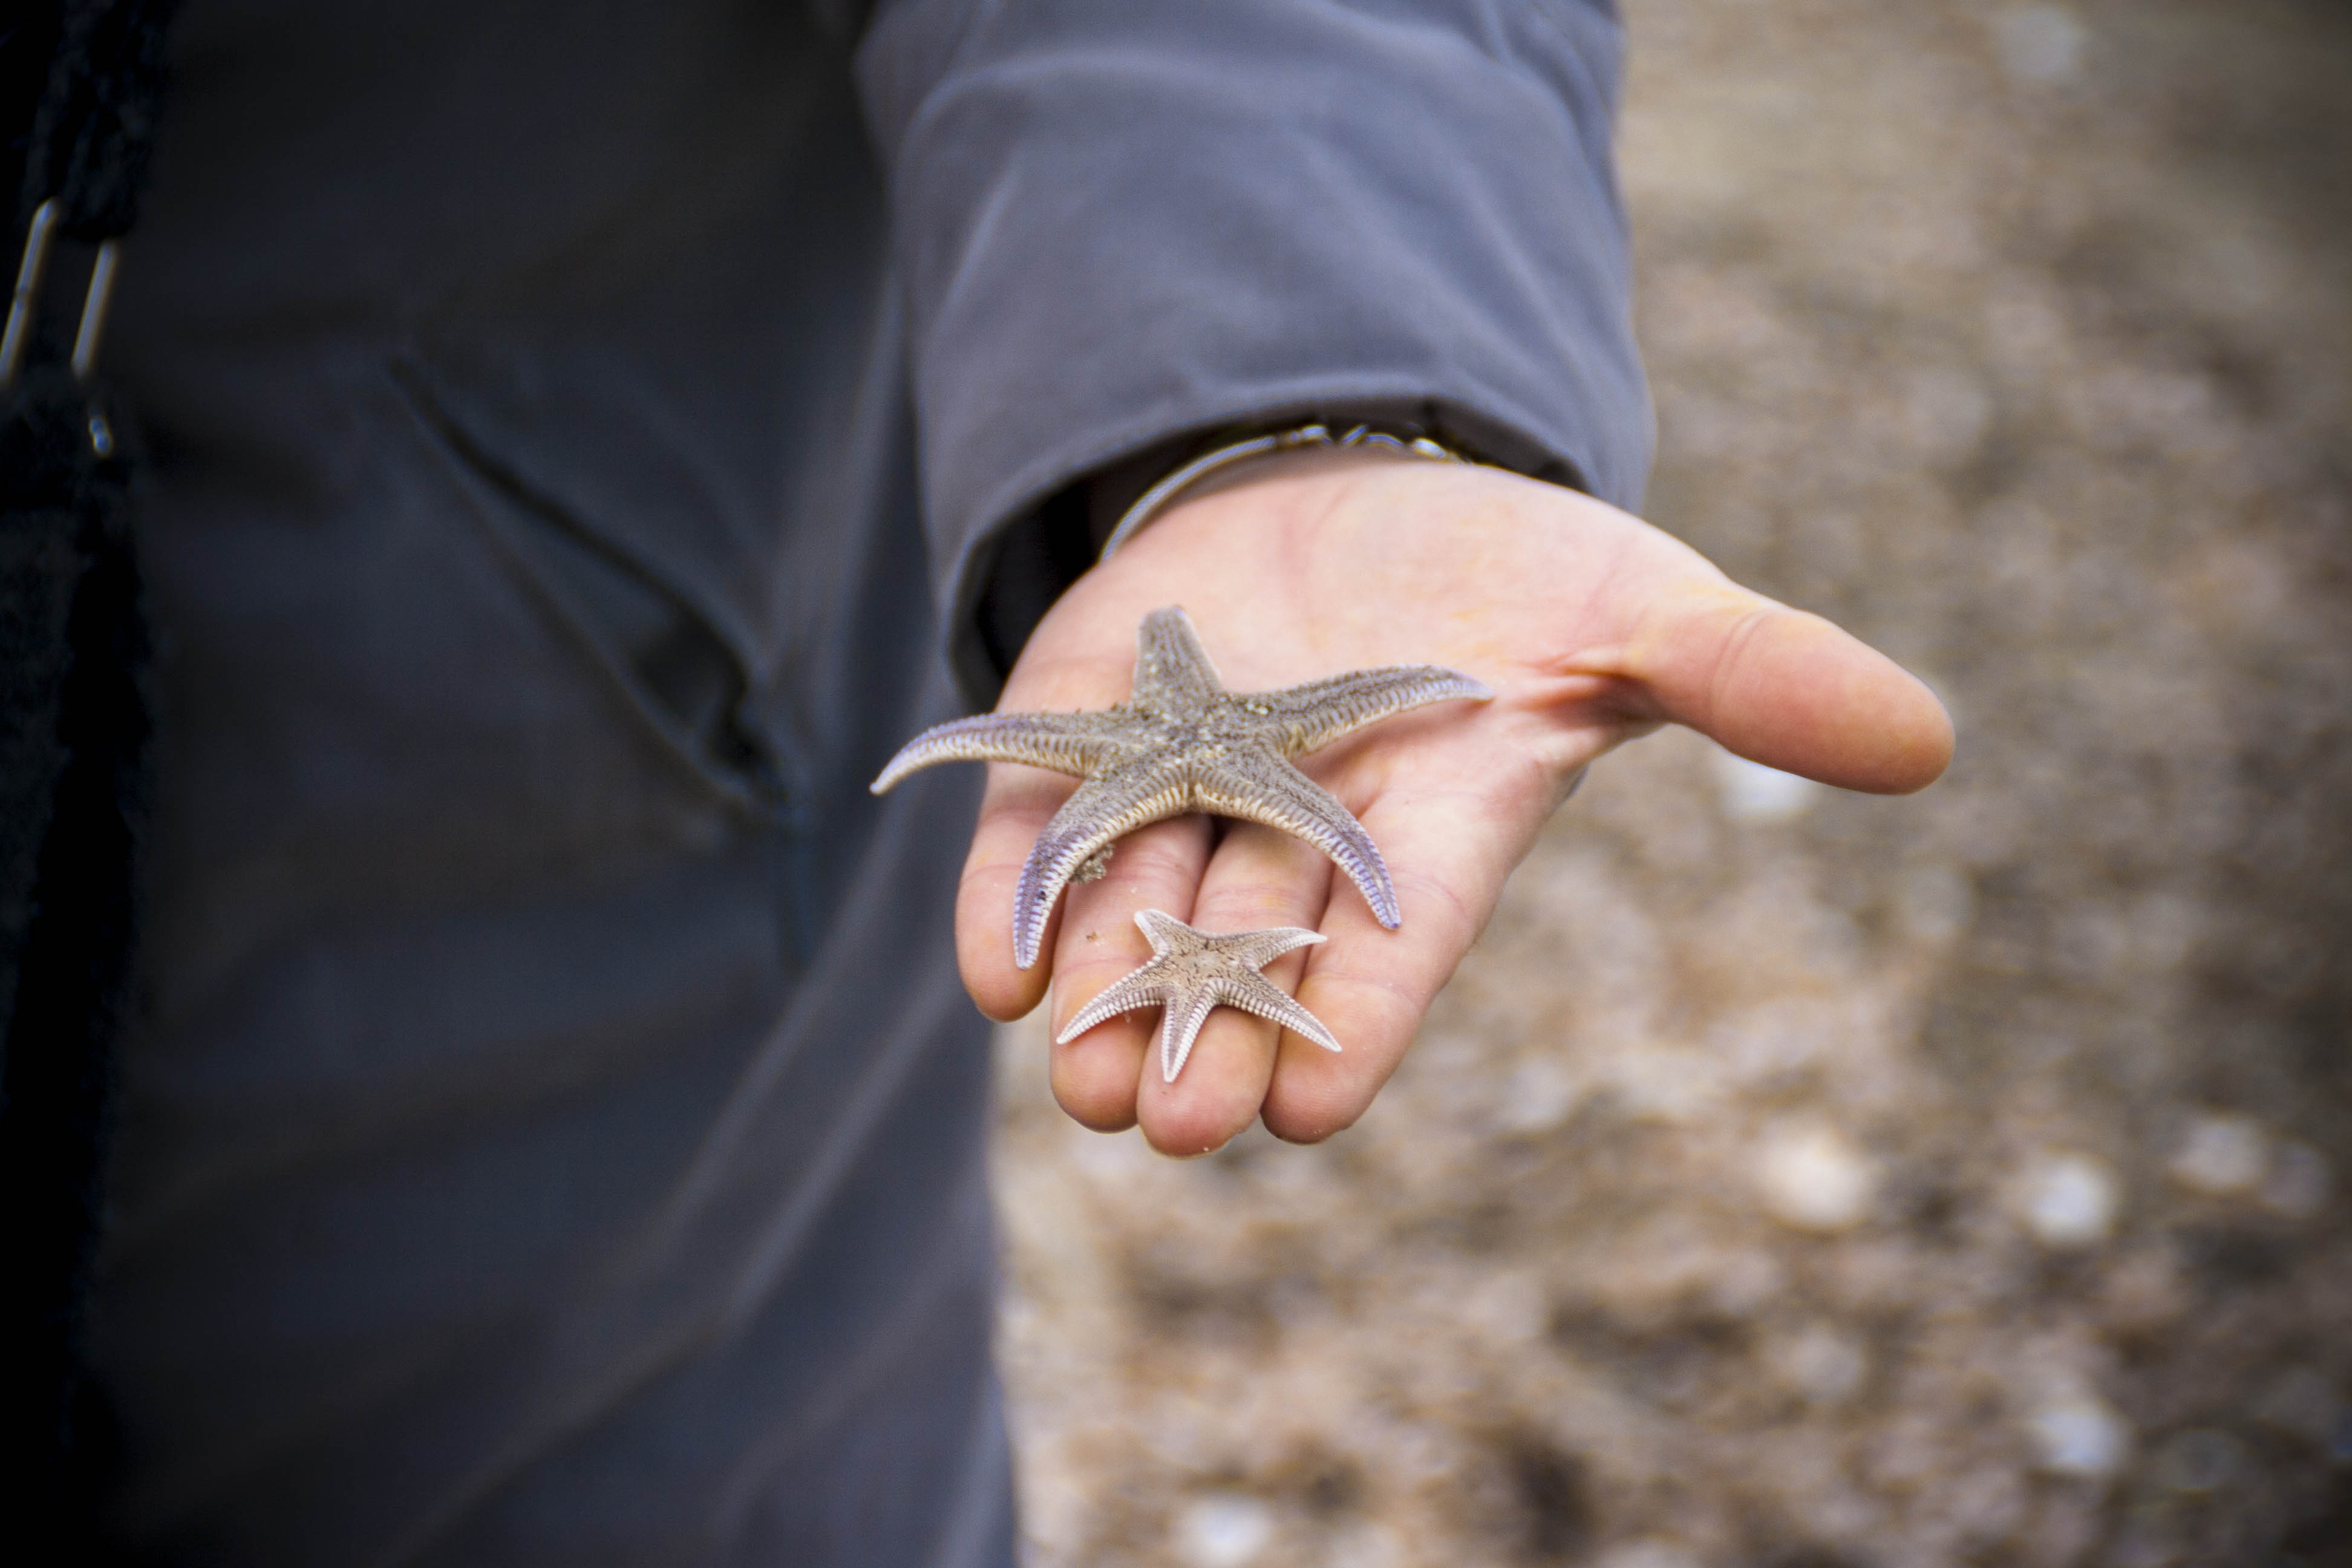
x: 1250, y: 456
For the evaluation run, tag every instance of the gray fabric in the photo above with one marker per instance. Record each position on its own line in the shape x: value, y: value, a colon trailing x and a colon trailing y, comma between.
x: 1225, y: 208
x: 560, y: 1133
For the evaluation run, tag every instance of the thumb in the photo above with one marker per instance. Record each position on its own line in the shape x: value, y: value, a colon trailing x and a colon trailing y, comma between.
x: 1782, y: 688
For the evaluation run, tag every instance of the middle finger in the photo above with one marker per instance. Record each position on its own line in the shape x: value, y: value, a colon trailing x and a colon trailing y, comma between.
x: 1154, y: 868
x: 1256, y: 878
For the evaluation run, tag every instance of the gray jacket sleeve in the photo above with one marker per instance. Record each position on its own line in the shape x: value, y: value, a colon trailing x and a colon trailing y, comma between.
x: 1120, y: 221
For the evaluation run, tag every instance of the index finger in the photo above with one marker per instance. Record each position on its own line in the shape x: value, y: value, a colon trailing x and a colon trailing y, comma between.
x: 1013, y: 810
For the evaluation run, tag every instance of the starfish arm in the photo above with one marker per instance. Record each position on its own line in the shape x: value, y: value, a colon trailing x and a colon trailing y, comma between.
x: 1144, y: 987
x: 1279, y: 796
x: 1102, y: 810
x: 1066, y: 742
x: 1306, y: 718
x: 1166, y: 933
x: 1179, y: 1025
x: 1270, y: 1002
x: 1172, y: 668
x: 1259, y: 948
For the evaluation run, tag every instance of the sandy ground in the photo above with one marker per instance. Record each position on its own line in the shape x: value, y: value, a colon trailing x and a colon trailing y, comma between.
x: 1804, y: 1179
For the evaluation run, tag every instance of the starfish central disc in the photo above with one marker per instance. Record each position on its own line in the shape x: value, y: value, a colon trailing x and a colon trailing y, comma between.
x: 1183, y: 743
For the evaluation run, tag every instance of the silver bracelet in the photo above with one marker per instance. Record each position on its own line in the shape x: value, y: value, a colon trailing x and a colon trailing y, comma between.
x: 1155, y: 501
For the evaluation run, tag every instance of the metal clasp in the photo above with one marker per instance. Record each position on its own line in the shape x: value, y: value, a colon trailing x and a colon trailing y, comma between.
x: 19, y: 335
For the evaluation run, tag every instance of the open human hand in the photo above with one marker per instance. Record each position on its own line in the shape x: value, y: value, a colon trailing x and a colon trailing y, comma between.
x: 1591, y: 627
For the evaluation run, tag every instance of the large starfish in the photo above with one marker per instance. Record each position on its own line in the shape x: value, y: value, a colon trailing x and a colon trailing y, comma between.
x: 1183, y: 743
x: 1190, y: 972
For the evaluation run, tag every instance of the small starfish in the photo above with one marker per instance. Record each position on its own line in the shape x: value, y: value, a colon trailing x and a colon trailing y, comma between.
x: 1183, y: 743
x: 1190, y: 972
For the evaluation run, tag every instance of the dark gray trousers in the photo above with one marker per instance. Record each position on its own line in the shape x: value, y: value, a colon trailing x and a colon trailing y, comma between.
x: 558, y: 1135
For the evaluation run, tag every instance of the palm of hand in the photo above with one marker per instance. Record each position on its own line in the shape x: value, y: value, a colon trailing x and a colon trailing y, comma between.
x: 1590, y: 626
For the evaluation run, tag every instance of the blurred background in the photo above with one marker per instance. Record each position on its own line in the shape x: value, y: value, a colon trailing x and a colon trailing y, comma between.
x: 1804, y: 1179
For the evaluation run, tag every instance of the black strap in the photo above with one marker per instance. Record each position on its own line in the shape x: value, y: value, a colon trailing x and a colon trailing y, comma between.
x: 74, y: 730
x: 94, y: 128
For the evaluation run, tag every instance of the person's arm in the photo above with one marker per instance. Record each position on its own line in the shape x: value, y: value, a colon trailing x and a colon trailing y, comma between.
x: 1123, y: 221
